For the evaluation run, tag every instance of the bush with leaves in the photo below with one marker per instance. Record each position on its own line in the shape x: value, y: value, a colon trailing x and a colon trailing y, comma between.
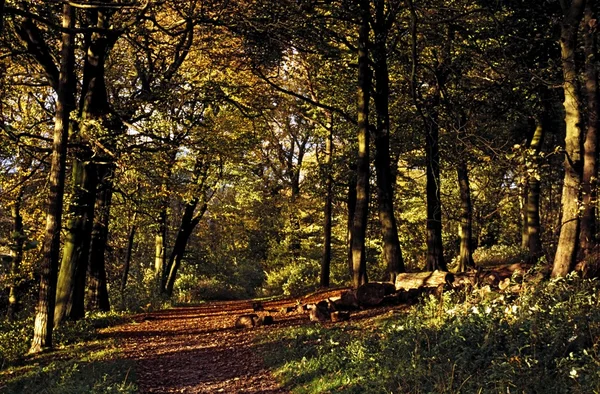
x: 544, y: 340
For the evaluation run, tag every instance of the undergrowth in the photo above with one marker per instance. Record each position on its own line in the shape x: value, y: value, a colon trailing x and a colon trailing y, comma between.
x: 82, y: 362
x: 544, y: 340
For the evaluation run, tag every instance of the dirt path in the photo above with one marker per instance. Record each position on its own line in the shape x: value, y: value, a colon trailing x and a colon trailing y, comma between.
x: 198, y: 350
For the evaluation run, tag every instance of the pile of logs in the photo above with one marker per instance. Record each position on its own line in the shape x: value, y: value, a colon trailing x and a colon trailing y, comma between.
x: 406, y: 290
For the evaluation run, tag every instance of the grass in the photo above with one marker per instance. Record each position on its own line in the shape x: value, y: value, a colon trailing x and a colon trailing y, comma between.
x: 544, y: 340
x: 81, y: 363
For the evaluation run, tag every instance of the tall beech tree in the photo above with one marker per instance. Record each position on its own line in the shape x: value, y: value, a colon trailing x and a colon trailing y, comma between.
x: 589, y: 182
x: 568, y: 240
x: 361, y: 211
x: 385, y: 15
x: 65, y: 104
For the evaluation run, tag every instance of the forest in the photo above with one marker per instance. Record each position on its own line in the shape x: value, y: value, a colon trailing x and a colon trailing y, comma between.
x: 160, y: 153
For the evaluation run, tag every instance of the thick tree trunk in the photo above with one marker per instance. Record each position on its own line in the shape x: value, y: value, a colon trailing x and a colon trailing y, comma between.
x: 127, y: 264
x: 392, y: 253
x: 188, y: 222
x: 93, y: 108
x: 97, y: 288
x: 327, y: 211
x: 534, y: 232
x: 587, y: 236
x: 72, y: 274
x: 65, y: 103
x: 359, y: 225
x: 569, y: 231
x: 466, y: 219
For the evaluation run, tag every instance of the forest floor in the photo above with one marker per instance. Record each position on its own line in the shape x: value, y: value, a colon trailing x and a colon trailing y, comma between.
x: 199, y: 350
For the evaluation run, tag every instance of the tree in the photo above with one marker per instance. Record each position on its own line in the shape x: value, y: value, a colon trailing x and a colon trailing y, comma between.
x: 569, y: 230
x: 65, y: 103
x: 359, y: 224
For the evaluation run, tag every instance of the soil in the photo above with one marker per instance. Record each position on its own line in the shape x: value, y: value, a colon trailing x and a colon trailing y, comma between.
x: 198, y: 349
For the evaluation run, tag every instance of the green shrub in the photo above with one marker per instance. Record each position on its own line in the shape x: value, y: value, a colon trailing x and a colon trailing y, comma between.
x: 292, y: 279
x: 545, y: 340
x: 500, y: 254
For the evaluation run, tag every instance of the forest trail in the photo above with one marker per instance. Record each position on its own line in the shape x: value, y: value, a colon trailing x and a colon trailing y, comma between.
x: 198, y: 350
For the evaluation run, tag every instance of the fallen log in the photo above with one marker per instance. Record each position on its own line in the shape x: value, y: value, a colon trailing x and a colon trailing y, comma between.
x: 371, y: 294
x: 417, y: 280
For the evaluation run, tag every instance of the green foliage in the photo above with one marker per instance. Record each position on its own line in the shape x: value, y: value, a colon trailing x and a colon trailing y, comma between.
x: 15, y: 338
x: 293, y: 278
x: 500, y: 254
x: 191, y: 288
x: 75, y: 376
x: 81, y: 362
x: 544, y: 340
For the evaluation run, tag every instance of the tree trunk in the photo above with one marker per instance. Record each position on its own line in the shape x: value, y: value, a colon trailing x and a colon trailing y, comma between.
x: 97, y: 288
x: 130, y: 239
x: 188, y: 223
x: 590, y: 164
x: 326, y: 259
x: 428, y: 112
x: 435, y: 250
x: 93, y: 108
x: 72, y: 274
x: 392, y: 253
x: 532, y: 207
x: 65, y: 103
x: 569, y: 231
x: 466, y: 219
x: 160, y: 247
x: 523, y: 209
x: 359, y: 225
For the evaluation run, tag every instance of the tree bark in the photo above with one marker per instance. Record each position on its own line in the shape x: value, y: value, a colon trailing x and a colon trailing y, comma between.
x: 359, y: 226
x: 97, y: 288
x: 93, y: 108
x: 534, y: 229
x: 466, y: 219
x: 72, y: 274
x: 188, y: 222
x: 428, y: 112
x: 127, y: 264
x: 327, y: 211
x: 65, y: 103
x: 569, y: 230
x: 590, y: 162
x: 392, y: 253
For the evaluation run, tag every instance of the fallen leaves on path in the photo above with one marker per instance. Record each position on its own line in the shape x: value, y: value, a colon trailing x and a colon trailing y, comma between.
x: 198, y: 350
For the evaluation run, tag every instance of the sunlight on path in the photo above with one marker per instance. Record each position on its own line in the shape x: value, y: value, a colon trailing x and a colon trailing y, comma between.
x: 197, y: 350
